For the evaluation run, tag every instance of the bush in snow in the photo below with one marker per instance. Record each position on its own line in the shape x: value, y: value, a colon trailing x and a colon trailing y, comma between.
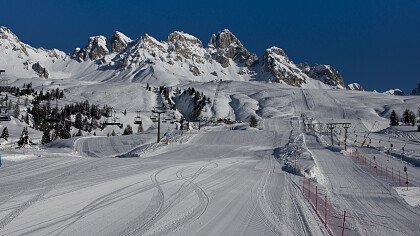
x: 253, y: 122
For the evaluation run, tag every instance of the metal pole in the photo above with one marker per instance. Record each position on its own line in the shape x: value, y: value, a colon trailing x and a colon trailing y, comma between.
x: 158, y: 134
x: 345, y: 139
x: 316, y: 198
x: 344, y: 220
x: 325, y: 212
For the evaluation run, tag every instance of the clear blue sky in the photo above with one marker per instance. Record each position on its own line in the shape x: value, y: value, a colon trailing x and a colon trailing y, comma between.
x: 373, y: 42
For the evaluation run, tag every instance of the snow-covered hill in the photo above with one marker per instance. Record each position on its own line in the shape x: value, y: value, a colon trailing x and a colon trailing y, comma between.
x: 182, y: 57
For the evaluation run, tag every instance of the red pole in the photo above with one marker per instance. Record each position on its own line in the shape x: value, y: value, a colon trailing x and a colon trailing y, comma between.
x: 325, y: 212
x: 309, y: 189
x: 303, y: 186
x: 392, y: 173
x: 399, y: 177
x: 344, y: 220
x: 316, y: 198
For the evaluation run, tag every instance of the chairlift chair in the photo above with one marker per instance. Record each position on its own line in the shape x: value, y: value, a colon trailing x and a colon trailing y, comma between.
x: 137, y: 119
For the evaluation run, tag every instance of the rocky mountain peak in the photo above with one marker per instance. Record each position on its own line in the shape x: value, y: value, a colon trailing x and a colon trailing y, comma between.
x: 324, y: 73
x: 224, y: 39
x: 95, y: 49
x: 278, y: 65
x: 6, y: 33
x: 355, y: 86
x: 225, y: 45
x: 119, y: 42
x: 184, y: 45
x: 179, y: 37
x: 277, y: 51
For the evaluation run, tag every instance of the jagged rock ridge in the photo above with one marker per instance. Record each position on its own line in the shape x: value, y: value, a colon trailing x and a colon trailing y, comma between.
x: 181, y: 55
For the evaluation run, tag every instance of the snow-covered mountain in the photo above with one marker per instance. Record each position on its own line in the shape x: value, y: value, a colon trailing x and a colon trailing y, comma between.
x: 397, y: 92
x: 182, y: 57
x: 355, y: 86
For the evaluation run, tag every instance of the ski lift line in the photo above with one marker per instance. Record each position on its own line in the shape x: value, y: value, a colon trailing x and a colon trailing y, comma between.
x: 395, y: 141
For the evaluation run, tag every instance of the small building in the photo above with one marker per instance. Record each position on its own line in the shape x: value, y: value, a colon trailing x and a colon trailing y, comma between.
x: 4, y: 113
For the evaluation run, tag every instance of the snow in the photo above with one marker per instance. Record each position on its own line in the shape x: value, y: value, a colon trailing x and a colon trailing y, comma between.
x: 397, y: 92
x: 410, y: 195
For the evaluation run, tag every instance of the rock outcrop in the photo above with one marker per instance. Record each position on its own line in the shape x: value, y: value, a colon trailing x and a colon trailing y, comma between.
x: 95, y: 49
x: 324, y: 73
x: 119, y: 42
x: 40, y: 70
x: 355, y: 86
x: 224, y: 46
x: 277, y: 64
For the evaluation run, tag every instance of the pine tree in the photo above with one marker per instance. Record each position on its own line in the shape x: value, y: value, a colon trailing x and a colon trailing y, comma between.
x: 5, y: 134
x: 46, y: 137
x: 24, y: 138
x: 412, y: 118
x: 253, y: 122
x: 406, y: 116
x: 78, y: 122
x: 393, y: 119
x: 113, y: 133
x: 79, y: 133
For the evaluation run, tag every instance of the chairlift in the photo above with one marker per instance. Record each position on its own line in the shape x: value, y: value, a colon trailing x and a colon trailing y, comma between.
x: 112, y: 121
x: 137, y: 119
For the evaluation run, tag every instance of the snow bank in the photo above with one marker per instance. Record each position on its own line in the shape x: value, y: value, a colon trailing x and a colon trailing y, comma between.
x: 411, y: 196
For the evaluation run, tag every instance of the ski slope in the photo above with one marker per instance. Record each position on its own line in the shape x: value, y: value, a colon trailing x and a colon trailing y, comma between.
x: 220, y: 180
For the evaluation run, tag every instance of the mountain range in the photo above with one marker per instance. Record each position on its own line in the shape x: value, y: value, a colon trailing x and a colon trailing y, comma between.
x: 182, y: 57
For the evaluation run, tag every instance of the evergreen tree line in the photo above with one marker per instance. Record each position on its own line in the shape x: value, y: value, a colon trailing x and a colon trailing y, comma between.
x: 408, y: 117
x: 199, y: 102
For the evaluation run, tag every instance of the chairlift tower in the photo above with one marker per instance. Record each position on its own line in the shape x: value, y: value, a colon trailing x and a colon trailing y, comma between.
x: 158, y: 110
x: 331, y: 126
x: 346, y: 126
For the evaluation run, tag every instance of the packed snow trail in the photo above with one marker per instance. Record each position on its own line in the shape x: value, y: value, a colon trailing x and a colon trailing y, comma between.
x: 373, y: 207
x: 196, y: 188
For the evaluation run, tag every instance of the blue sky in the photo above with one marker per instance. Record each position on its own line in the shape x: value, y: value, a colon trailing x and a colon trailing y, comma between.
x: 373, y: 42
